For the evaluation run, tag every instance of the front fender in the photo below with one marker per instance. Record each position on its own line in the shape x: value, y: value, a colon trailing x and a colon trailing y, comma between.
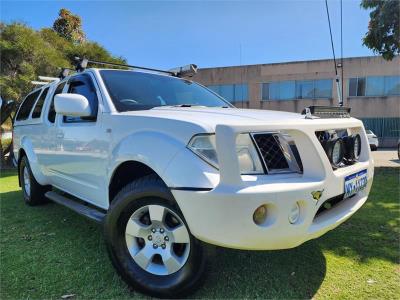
x: 27, y: 146
x: 154, y: 149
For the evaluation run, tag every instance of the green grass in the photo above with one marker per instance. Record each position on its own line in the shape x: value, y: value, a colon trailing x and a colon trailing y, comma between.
x: 49, y: 251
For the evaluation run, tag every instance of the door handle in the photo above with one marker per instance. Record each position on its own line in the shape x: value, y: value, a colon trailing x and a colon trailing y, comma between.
x: 60, y: 135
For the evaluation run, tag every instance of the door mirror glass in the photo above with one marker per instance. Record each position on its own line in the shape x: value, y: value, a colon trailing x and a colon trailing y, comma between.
x: 73, y: 105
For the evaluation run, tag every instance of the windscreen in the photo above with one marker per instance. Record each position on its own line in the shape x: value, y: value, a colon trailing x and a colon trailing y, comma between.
x: 140, y: 91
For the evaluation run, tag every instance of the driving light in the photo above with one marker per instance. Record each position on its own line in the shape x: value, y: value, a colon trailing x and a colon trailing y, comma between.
x: 204, y: 145
x: 352, y: 146
x: 260, y: 215
x: 357, y: 146
x: 335, y: 151
x: 294, y: 213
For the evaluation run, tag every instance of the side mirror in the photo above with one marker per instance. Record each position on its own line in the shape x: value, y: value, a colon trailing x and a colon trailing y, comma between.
x: 72, y: 105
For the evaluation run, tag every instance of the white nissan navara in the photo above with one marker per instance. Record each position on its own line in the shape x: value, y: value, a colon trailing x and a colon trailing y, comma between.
x: 165, y: 164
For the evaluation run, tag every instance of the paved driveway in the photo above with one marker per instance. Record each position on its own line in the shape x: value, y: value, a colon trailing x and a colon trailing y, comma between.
x: 386, y: 157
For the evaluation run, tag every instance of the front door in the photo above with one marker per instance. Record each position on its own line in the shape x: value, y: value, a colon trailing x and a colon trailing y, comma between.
x: 82, y: 146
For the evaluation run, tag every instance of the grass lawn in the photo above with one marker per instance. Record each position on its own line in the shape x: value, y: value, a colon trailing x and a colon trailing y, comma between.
x: 49, y: 251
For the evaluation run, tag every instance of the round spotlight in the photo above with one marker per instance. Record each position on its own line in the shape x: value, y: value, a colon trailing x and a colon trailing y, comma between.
x: 336, y: 156
x: 260, y: 215
x: 294, y: 213
x: 357, y: 146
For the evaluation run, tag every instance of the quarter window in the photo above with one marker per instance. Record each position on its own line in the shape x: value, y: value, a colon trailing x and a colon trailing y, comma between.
x: 37, y: 111
x: 27, y: 105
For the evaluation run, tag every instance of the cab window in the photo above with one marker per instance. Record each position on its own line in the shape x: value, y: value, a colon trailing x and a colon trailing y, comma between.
x: 27, y: 105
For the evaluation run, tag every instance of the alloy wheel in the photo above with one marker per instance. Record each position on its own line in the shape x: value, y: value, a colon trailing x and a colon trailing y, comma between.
x: 157, y: 239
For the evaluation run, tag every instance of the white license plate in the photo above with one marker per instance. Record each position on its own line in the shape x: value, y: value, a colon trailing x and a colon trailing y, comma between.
x: 355, y: 183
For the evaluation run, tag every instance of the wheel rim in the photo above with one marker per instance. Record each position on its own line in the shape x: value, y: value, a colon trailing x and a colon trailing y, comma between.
x: 27, y: 182
x: 157, y: 240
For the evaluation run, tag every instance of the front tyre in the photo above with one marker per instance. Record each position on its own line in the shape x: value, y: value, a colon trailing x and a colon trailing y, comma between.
x: 149, y: 242
x: 32, y: 191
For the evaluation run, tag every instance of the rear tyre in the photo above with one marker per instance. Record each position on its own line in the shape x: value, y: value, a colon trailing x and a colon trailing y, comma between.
x: 32, y: 191
x: 149, y: 242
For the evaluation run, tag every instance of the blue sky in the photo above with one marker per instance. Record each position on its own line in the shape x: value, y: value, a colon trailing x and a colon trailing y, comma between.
x: 166, y: 34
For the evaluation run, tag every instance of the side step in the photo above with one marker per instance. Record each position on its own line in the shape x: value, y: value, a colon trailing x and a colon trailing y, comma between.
x: 82, y: 209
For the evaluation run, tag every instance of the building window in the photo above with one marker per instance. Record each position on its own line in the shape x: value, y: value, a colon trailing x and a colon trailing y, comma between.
x: 231, y: 92
x: 374, y: 86
x: 297, y: 89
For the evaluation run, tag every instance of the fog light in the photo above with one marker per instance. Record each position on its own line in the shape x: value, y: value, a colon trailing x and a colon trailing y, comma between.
x: 260, y: 215
x: 294, y: 213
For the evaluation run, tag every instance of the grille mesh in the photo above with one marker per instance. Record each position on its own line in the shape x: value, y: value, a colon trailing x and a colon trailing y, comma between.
x: 271, y: 151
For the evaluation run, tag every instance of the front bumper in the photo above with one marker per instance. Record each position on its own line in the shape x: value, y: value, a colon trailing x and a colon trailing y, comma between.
x: 224, y: 215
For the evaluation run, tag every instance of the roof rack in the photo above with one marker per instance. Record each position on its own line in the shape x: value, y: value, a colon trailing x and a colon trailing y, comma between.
x: 188, y: 70
x: 44, y: 80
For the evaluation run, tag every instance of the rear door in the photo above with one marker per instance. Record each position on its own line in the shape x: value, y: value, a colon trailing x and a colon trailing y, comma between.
x: 82, y: 146
x: 45, y: 142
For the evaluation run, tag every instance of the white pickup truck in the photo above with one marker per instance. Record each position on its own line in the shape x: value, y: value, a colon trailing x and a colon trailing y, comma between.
x: 165, y: 165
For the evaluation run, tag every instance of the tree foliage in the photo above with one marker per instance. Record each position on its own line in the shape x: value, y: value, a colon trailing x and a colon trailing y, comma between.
x: 383, y: 34
x: 69, y: 26
x: 27, y: 53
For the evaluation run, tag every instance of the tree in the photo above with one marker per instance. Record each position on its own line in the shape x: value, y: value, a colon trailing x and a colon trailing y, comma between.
x: 27, y: 53
x: 69, y: 26
x: 383, y: 34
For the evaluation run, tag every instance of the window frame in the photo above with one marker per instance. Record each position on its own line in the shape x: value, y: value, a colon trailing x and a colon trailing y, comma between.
x: 365, y: 78
x: 87, y: 79
x: 45, y: 89
x: 51, y: 101
x: 297, y: 84
x: 216, y: 89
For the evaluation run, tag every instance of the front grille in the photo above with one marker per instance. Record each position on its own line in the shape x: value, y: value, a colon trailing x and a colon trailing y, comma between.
x: 271, y: 151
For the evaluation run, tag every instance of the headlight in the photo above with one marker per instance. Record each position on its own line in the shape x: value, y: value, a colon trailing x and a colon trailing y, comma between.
x: 249, y: 161
x: 204, y: 146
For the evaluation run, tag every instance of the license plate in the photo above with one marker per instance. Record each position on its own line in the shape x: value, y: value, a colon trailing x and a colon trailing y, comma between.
x: 355, y: 183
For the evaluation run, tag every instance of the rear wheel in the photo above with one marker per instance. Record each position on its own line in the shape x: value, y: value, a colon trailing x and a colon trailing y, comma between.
x: 32, y: 191
x: 149, y: 241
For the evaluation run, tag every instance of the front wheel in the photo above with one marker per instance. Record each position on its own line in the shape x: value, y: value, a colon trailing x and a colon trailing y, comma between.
x: 149, y: 241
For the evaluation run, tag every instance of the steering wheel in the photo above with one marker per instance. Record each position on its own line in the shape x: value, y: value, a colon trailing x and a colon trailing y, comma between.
x: 128, y: 101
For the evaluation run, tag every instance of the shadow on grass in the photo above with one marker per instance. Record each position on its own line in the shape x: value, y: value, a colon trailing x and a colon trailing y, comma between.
x: 373, y: 232
x: 295, y: 273
x: 8, y: 173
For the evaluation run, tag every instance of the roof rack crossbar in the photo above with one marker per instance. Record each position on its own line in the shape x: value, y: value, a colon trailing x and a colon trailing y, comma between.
x: 34, y: 82
x: 82, y: 63
x: 46, y: 78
